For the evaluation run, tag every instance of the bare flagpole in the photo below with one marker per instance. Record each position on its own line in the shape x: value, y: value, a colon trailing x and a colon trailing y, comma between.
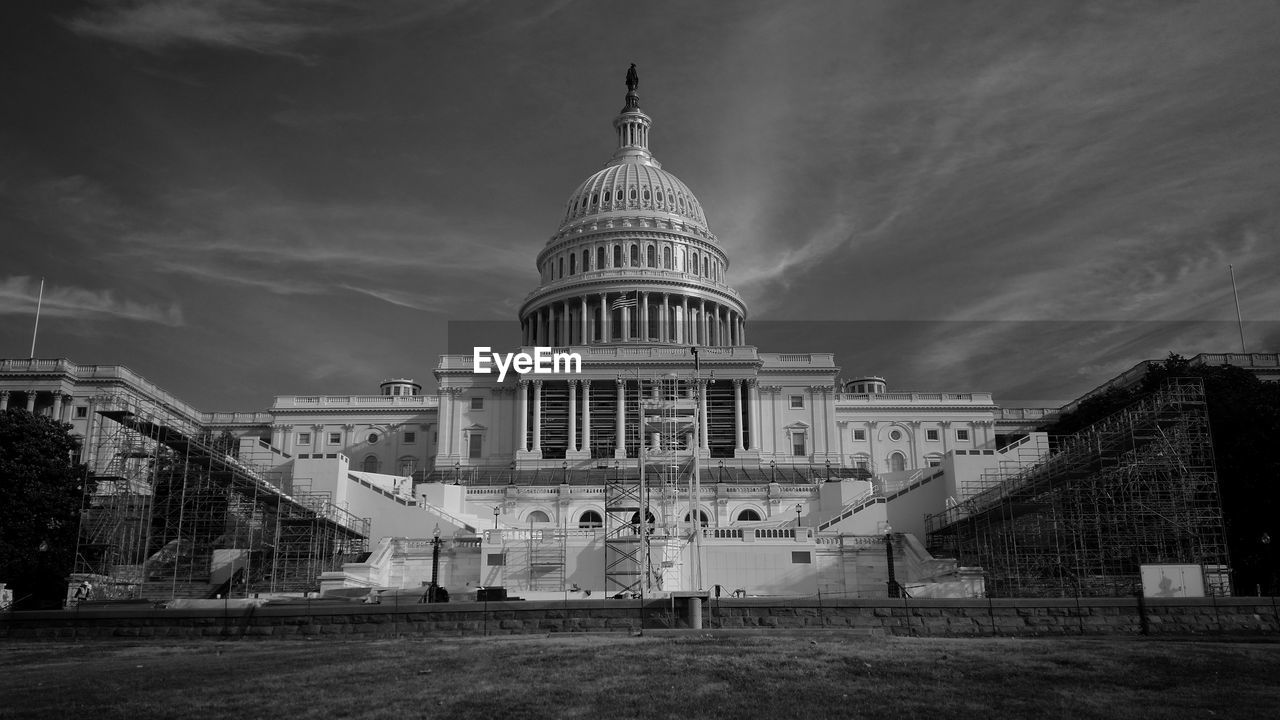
x: 36, y: 329
x: 1239, y: 320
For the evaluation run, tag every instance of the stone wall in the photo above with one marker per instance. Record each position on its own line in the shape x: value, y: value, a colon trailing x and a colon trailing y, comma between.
x: 915, y: 617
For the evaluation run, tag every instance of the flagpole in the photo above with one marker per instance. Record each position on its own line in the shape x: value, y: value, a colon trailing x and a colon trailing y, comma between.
x: 36, y: 329
x: 1239, y: 319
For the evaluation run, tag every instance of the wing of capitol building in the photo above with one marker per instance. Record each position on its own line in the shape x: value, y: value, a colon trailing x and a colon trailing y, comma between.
x: 660, y: 453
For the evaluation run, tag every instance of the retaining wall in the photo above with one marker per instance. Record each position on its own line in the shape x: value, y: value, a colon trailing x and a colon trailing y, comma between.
x: 917, y: 617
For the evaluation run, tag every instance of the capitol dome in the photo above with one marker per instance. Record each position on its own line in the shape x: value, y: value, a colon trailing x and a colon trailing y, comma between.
x: 633, y: 259
x: 629, y: 187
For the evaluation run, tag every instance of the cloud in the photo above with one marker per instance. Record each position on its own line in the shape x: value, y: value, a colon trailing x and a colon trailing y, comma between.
x: 262, y: 26
x: 19, y: 295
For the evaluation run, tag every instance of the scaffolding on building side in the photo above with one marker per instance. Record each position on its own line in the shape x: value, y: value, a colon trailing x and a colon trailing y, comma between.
x: 1138, y: 487
x: 173, y: 516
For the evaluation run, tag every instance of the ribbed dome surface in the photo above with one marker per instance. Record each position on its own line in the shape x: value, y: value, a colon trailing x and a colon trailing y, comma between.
x: 631, y: 187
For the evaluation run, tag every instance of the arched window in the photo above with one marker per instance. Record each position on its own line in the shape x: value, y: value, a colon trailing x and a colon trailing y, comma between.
x: 586, y: 260
x: 646, y: 194
x: 617, y: 256
x: 705, y: 266
x: 590, y: 519
x: 607, y: 196
x: 573, y: 264
x: 635, y: 255
x: 633, y: 194
x: 666, y: 258
x: 561, y: 268
x: 693, y: 261
x: 897, y: 462
x: 702, y: 518
x: 371, y: 463
x: 600, y: 258
x: 595, y: 199
x: 653, y: 258
x: 748, y: 515
x: 537, y: 516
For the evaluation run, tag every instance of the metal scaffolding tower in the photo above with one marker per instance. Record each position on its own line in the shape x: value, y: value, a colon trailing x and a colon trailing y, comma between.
x: 171, y: 516
x: 1138, y: 487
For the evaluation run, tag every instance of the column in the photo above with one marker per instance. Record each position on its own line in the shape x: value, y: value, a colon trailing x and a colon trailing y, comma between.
x: 534, y: 319
x: 31, y: 401
x: 573, y: 416
x: 347, y: 440
x: 644, y: 316
x: 742, y: 331
x: 287, y: 432
x: 626, y: 323
x: 737, y: 416
x: 564, y: 324
x: 606, y: 336
x: 277, y: 437
x: 702, y: 415
x: 702, y: 323
x: 664, y: 323
x: 586, y: 322
x: 586, y: 417
x: 57, y: 406
x: 317, y: 439
x: 753, y: 405
x: 522, y: 410
x: 444, y: 443
x: 683, y: 325
x: 871, y: 444
x: 619, y: 443
x: 537, y: 417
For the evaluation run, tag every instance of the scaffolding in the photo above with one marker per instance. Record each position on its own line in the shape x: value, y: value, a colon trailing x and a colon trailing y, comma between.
x: 1138, y: 487
x: 172, y: 516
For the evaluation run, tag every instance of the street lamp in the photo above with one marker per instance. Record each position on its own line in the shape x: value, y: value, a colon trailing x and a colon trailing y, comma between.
x: 564, y: 466
x: 496, y: 510
x: 457, y: 469
x: 721, y: 472
x: 773, y: 471
x: 888, y: 550
x: 799, y: 507
x: 828, y: 469
x: 512, y: 479
x: 432, y: 593
x: 617, y: 470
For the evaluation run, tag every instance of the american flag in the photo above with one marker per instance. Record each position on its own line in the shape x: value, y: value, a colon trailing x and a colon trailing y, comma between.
x: 624, y: 301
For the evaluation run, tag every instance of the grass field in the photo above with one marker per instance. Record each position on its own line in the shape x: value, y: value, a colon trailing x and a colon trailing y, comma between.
x: 774, y: 675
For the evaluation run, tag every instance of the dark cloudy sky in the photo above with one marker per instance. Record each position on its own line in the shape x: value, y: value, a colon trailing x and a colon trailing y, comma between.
x: 244, y: 198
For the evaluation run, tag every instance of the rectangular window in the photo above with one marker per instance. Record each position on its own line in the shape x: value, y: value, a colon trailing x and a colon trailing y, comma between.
x: 335, y: 438
x: 863, y: 465
x: 304, y: 438
x: 495, y: 559
x: 962, y: 435
x: 797, y: 402
x: 801, y: 558
x: 476, y: 440
x: 797, y: 444
x: 477, y: 403
x: 82, y: 411
x: 930, y: 434
x: 859, y: 434
x: 410, y: 438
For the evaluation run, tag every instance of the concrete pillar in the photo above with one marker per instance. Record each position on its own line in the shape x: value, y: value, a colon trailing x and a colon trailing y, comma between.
x: 754, y: 403
x: 683, y: 325
x: 604, y: 318
x: 537, y: 416
x: 522, y: 412
x: 737, y: 415
x: 57, y: 406
x: 586, y: 417
x: 573, y: 416
x: 31, y: 401
x: 644, y: 316
x: 586, y: 322
x: 664, y: 323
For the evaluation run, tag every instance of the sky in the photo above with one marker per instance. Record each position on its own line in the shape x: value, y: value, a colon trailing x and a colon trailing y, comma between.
x: 239, y: 199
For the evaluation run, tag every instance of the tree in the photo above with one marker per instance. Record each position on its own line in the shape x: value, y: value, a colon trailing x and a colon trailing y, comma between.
x: 42, y: 489
x: 1244, y: 420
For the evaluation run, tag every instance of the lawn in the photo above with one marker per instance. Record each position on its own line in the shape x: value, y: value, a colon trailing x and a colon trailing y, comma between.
x: 776, y: 675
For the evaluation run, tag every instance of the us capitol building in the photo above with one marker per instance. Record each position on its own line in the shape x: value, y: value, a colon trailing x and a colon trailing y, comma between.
x: 763, y: 473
